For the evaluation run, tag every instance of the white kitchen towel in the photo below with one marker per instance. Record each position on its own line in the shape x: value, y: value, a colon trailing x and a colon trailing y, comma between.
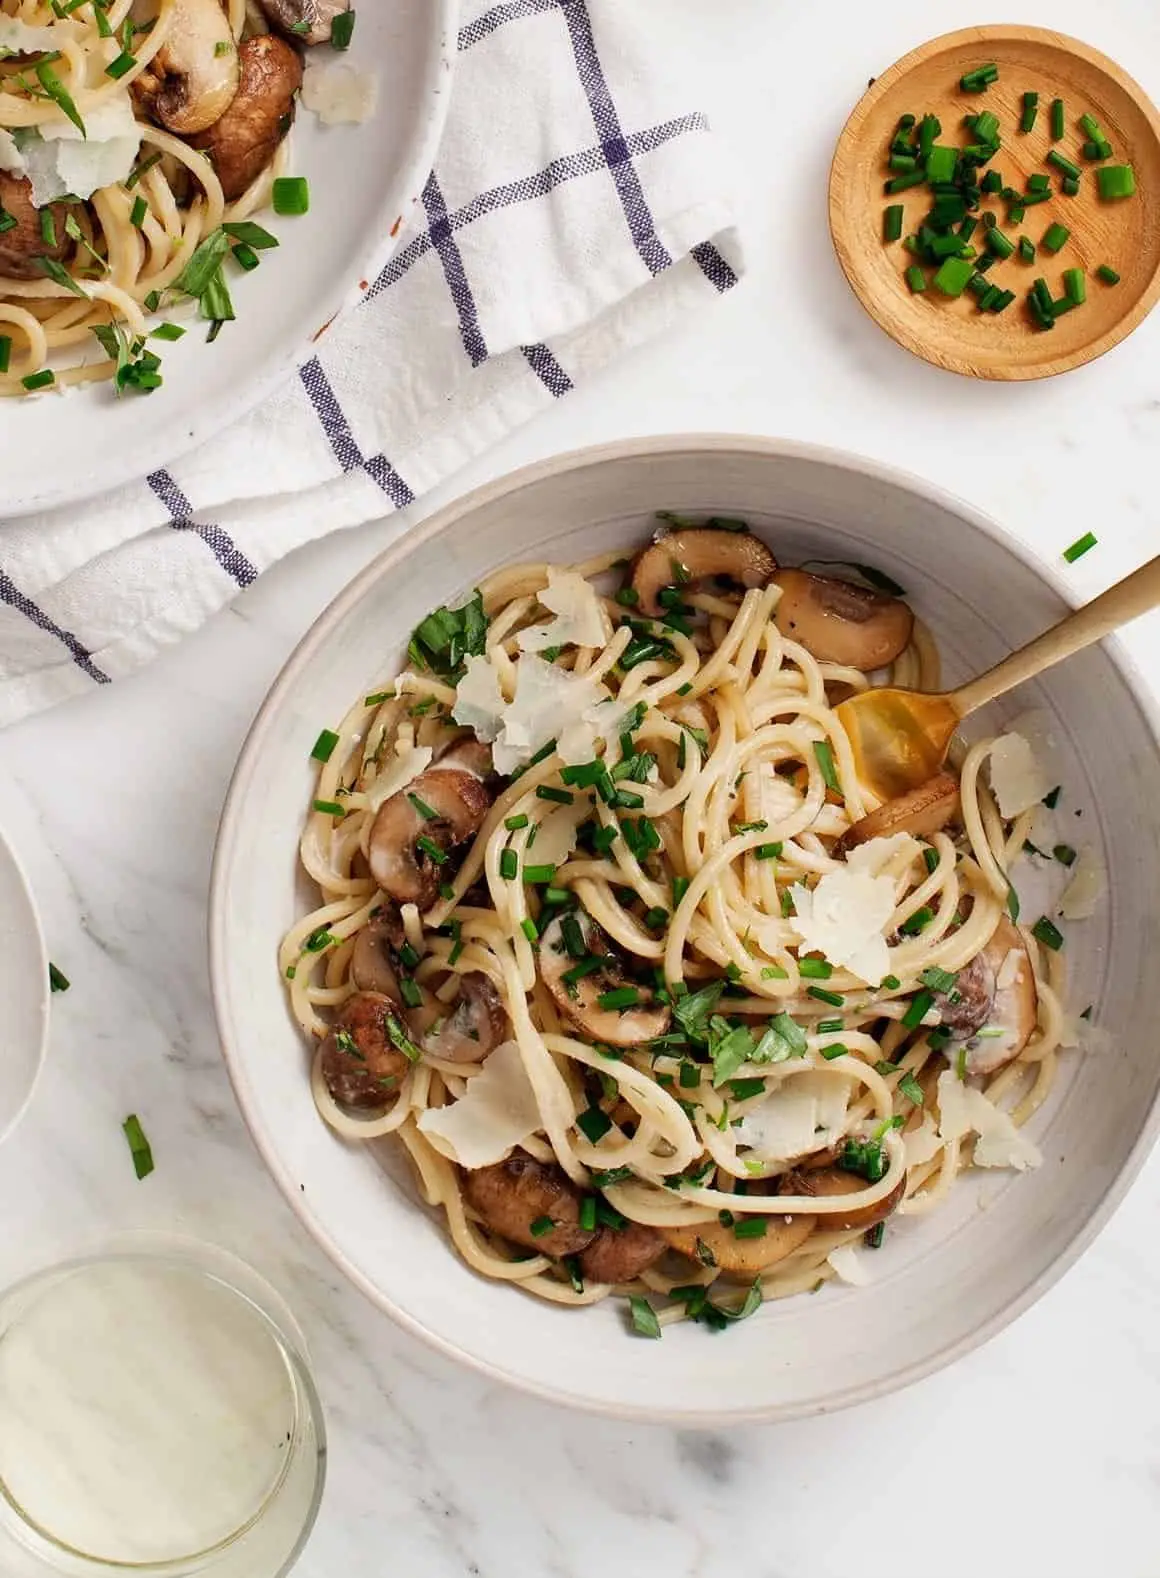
x: 578, y: 206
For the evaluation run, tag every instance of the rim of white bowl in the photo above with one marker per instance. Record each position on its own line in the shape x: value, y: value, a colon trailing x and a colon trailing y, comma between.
x: 36, y: 930
x: 230, y: 825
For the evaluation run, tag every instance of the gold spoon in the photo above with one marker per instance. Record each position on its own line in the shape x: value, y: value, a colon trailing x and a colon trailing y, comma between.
x: 901, y: 737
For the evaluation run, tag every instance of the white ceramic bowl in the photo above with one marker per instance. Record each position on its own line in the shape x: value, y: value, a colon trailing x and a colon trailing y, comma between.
x: 23, y: 991
x: 943, y: 1283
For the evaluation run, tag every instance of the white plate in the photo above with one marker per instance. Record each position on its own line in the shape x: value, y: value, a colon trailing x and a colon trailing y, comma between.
x: 941, y: 1283
x: 23, y: 992
x: 364, y: 181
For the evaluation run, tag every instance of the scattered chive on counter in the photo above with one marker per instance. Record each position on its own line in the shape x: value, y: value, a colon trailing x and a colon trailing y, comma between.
x: 1077, y: 550
x: 955, y: 186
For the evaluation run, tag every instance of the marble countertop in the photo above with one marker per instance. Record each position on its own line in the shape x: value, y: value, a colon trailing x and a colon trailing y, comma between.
x: 1038, y: 1454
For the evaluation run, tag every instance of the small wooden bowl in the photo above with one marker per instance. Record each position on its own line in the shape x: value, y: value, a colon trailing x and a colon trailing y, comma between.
x: 953, y: 333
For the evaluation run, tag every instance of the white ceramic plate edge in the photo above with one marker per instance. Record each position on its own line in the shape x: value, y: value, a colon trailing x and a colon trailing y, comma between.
x: 229, y: 828
x: 134, y: 460
x: 24, y: 922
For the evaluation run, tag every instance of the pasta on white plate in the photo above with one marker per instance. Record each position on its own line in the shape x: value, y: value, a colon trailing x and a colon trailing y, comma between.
x: 137, y: 140
x: 659, y: 1001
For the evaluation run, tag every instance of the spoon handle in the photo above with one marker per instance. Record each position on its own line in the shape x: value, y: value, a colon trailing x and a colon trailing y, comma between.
x: 1129, y: 598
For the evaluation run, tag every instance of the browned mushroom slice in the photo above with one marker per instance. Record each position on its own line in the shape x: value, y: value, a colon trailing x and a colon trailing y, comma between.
x: 468, y: 754
x: 192, y: 79
x: 242, y: 139
x: 740, y: 1259
x: 361, y: 1064
x: 373, y: 962
x: 470, y: 1029
x: 993, y: 1006
x: 925, y: 810
x: 443, y: 807
x: 684, y: 556
x: 830, y: 1182
x: 839, y: 622
x: 22, y: 244
x: 620, y: 1255
x: 519, y: 1194
x: 579, y: 999
x: 308, y: 21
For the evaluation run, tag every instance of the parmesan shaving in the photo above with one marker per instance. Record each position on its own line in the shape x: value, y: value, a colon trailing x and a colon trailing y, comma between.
x: 922, y: 1145
x: 1018, y: 780
x: 843, y: 918
x: 397, y: 774
x: 479, y: 701
x: 338, y: 94
x: 580, y: 621
x: 851, y: 1265
x: 964, y: 1110
x: 62, y: 160
x: 804, y: 1113
x: 1089, y: 882
x: 495, y: 1113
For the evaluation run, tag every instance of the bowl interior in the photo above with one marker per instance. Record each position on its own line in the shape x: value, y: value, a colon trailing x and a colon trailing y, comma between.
x: 941, y: 1283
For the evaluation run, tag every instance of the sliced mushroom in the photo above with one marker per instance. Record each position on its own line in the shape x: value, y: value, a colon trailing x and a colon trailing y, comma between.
x: 579, y: 1000
x: 620, y: 1256
x: 518, y: 1192
x: 839, y: 622
x: 683, y: 556
x: 468, y: 754
x: 403, y: 869
x: 308, y: 21
x: 994, y: 1006
x: 373, y: 962
x: 740, y: 1259
x: 23, y: 243
x: 241, y: 143
x: 361, y: 1064
x: 472, y: 1029
x: 192, y: 79
x: 925, y: 810
x: 828, y: 1182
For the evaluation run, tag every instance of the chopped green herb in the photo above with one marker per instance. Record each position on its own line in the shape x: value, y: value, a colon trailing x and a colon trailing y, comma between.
x: 1046, y: 932
x: 937, y: 979
x: 508, y: 864
x: 329, y: 807
x: 41, y: 380
x: 644, y: 1317
x: 1107, y: 274
x: 121, y: 66
x: 767, y: 851
x: 1065, y: 854
x: 825, y: 758
x: 834, y: 999
x: 1116, y: 181
x: 920, y: 1005
x: 290, y: 194
x: 917, y: 922
x: 541, y: 1227
x: 1078, y: 549
x: 139, y: 1147
x: 323, y: 747
x: 57, y: 980
x: 594, y: 1124
x: 431, y: 849
x: 56, y: 91
x: 911, y: 1089
x: 514, y: 823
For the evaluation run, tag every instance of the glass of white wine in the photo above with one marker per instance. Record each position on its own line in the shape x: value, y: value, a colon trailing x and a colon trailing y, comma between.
x: 157, y: 1416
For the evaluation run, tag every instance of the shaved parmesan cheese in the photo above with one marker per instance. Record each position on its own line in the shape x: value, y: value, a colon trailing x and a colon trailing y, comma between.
x: 1037, y: 727
x: 19, y: 38
x: 548, y: 701
x: 602, y: 721
x: 779, y: 800
x: 1011, y: 970
x: 964, y: 1110
x: 805, y: 1112
x: 495, y: 1113
x: 922, y: 1144
x: 1018, y: 779
x: 61, y: 159
x: 1092, y: 1040
x: 1088, y: 884
x: 557, y: 833
x: 339, y: 94
x: 479, y: 702
x: 851, y: 1265
x: 580, y: 621
x: 397, y: 773
x: 843, y: 919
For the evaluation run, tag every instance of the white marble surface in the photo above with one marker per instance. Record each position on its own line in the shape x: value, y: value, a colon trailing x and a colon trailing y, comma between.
x: 1039, y: 1454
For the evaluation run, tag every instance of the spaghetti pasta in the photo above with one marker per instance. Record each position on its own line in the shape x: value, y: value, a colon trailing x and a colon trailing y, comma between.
x: 723, y: 1033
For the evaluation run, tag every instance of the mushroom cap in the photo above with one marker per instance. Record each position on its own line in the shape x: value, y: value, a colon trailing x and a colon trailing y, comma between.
x: 829, y: 1182
x: 510, y: 1195
x: 618, y: 1256
x: 740, y: 1259
x: 839, y: 622
x: 921, y: 812
x: 624, y: 1027
x: 306, y: 21
x: 475, y: 1025
x: 361, y: 1064
x: 193, y: 78
x: 372, y: 961
x: 23, y: 243
x: 693, y: 554
x: 242, y: 139
x: 1011, y: 1008
x: 405, y: 872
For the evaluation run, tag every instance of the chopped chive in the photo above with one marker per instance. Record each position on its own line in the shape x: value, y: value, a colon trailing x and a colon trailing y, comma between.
x: 245, y: 257
x: 57, y: 980
x: 584, y: 775
x: 594, y: 1124
x: 903, y: 182
x: 290, y: 194
x: 919, y: 1006
x: 1055, y: 237
x: 427, y: 812
x: 1030, y: 112
x: 1058, y: 119
x: 1012, y: 902
x: 980, y: 78
x: 891, y: 983
x: 835, y: 999
x: 1064, y: 164
x: 1116, y: 181
x: 538, y: 875
x: 56, y: 91
x: 767, y: 851
x: 167, y: 331
x: 1027, y: 249
x: 1070, y: 186
x: 628, y: 597
x: 620, y: 997
x: 825, y: 1026
x: 139, y: 1147
x: 1107, y: 274
x: 528, y: 927
x: 953, y: 276
x: 825, y: 759
x: 411, y: 994
x: 892, y: 222
x: 917, y: 922
x: 815, y: 969
x: 5, y: 352
x: 750, y: 1227
x: 508, y: 864
x: 745, y: 1089
x: 324, y: 746
x: 542, y: 1226
x: 122, y: 65
x: 431, y: 849
x: 680, y: 888
x: 1077, y: 551
x: 1048, y: 934
x: 560, y: 796
x: 514, y: 823
x: 342, y: 30
x: 588, y: 1213
x: 836, y: 1049
x: 937, y: 979
x: 1065, y: 854
x: 911, y: 1089
x: 916, y: 279
x: 1075, y: 285
x: 644, y: 1317
x: 40, y: 380
x: 655, y: 918
x: 998, y: 243
x: 329, y: 807
x: 604, y: 838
